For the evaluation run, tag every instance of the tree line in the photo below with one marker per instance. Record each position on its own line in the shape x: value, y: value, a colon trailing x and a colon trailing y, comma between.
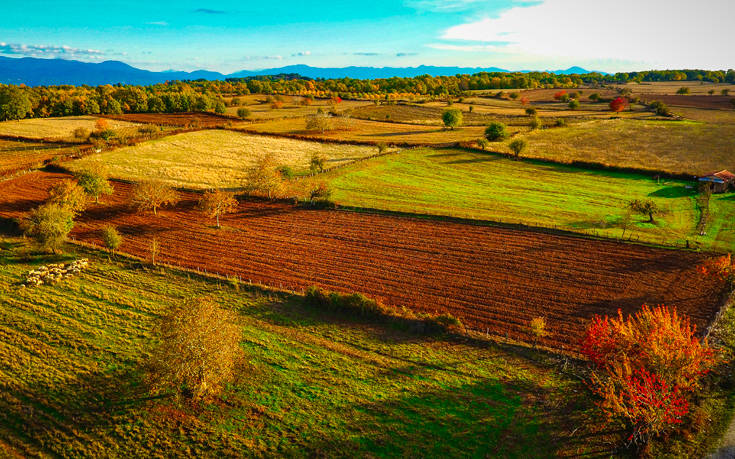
x: 18, y: 102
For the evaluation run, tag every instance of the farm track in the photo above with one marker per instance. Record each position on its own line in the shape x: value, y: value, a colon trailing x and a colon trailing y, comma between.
x: 494, y: 279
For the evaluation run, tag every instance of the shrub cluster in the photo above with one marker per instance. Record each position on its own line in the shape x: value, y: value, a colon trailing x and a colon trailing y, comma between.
x: 644, y: 368
x: 362, y: 306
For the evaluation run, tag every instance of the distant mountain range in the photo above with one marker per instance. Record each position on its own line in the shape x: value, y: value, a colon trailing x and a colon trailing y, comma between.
x: 37, y: 72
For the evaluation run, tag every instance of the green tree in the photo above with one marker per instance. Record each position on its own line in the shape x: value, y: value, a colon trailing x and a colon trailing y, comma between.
x: 573, y: 104
x: 645, y: 207
x: 452, y: 118
x: 219, y: 107
x: 531, y: 111
x: 49, y: 224
x: 496, y: 131
x: 14, y: 104
x: 517, y: 146
x: 317, y: 163
x: 243, y: 112
x: 111, y: 238
x: 94, y: 182
x: 683, y: 91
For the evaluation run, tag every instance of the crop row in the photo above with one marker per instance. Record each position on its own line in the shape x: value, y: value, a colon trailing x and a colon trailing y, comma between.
x: 495, y: 280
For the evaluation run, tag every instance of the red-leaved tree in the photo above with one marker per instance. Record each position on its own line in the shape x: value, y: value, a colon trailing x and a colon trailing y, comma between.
x: 618, y: 104
x: 559, y: 95
x: 644, y: 367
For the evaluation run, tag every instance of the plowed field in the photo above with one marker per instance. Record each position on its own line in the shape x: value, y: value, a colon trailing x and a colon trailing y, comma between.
x: 494, y: 279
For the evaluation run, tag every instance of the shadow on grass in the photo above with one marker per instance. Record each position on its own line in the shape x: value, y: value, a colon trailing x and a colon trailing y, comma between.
x: 674, y: 192
x: 481, y: 419
x: 65, y: 416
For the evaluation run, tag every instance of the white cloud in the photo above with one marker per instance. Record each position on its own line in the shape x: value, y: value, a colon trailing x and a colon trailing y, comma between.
x: 659, y: 33
x: 158, y: 23
x: 443, y: 5
x: 263, y: 58
x: 466, y: 48
x: 301, y: 54
x: 47, y: 51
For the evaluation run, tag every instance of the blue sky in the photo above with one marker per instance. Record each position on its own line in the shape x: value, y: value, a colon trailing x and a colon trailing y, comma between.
x: 515, y: 34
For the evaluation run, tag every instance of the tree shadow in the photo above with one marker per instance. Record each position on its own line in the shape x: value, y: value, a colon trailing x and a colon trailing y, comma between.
x: 71, y: 411
x: 489, y: 418
x: 674, y: 192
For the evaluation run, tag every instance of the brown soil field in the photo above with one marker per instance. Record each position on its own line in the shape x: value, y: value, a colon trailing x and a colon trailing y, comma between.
x: 17, y: 156
x: 696, y: 101
x: 495, y: 280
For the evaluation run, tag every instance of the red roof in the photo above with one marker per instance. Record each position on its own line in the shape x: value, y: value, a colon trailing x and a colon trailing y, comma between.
x: 724, y: 174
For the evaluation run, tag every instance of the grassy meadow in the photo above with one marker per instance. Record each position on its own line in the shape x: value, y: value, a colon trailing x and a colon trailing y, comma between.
x: 215, y: 158
x: 484, y: 186
x: 56, y: 128
x: 311, y: 384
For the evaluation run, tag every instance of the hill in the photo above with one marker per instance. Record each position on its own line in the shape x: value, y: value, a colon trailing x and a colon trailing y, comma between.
x: 44, y: 72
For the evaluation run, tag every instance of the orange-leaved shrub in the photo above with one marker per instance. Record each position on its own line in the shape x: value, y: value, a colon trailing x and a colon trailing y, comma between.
x: 645, y: 366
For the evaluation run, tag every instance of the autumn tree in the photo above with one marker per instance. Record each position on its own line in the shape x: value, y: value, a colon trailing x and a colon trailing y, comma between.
x: 198, y: 349
x: 320, y: 122
x: 216, y: 203
x: 263, y: 177
x: 317, y: 163
x: 152, y: 195
x: 644, y: 366
x: 111, y: 238
x: 537, y: 327
x: 94, y: 182
x: 49, y: 225
x: 517, y: 146
x: 618, y: 104
x: 68, y: 194
x: 452, y: 118
x: 496, y: 131
x: 646, y: 207
x: 320, y: 192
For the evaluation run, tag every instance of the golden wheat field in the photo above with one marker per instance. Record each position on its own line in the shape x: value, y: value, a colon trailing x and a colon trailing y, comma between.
x: 56, y: 128
x: 215, y: 158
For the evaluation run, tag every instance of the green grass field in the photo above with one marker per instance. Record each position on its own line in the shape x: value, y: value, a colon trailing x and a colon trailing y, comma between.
x: 71, y: 373
x: 483, y: 186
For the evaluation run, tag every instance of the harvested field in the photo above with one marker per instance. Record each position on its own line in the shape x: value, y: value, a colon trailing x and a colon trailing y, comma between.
x: 668, y: 146
x: 373, y: 131
x: 215, y: 158
x: 191, y: 120
x: 56, y: 128
x: 495, y: 280
x: 18, y: 156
